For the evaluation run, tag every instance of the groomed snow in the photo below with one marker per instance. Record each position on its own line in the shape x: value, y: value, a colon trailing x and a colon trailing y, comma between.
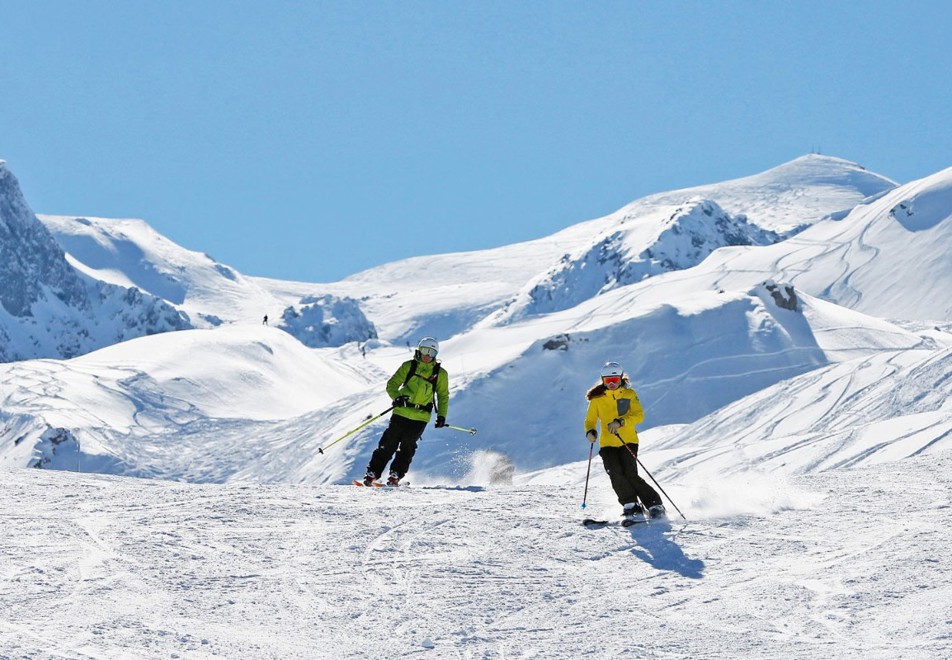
x: 841, y: 564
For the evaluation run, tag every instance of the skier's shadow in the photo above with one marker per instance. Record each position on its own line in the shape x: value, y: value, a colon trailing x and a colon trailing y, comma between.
x: 654, y: 548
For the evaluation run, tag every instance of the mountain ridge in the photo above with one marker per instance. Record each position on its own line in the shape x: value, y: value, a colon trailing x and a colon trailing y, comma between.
x: 48, y: 308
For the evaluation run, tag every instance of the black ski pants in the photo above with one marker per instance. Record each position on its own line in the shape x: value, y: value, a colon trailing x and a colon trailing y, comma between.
x: 622, y: 469
x: 401, y: 437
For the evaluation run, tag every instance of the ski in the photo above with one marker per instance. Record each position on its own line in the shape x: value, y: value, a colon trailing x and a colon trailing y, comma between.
x: 592, y: 523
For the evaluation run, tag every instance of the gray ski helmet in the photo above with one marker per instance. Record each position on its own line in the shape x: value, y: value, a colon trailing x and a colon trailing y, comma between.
x: 612, y: 369
x: 432, y: 346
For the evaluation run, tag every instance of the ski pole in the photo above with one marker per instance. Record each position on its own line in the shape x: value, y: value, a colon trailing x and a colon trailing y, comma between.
x: 638, y: 460
x: 659, y: 486
x: 461, y: 428
x: 591, y: 450
x: 320, y: 450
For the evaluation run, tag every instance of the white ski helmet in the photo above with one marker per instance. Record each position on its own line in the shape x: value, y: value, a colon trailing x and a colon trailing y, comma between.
x: 612, y: 369
x: 429, y: 343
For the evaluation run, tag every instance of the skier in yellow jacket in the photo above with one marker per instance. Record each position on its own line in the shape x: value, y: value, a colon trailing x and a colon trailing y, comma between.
x: 615, y: 405
x: 416, y: 388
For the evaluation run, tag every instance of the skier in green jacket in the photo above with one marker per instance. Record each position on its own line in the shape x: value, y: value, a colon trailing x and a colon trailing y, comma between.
x: 416, y: 387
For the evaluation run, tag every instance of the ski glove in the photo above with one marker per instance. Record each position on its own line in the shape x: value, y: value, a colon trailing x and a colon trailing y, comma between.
x: 615, y: 424
x: 401, y: 401
x: 591, y: 436
x: 440, y: 422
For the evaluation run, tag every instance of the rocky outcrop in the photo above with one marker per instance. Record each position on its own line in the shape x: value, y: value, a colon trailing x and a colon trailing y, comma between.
x: 327, y: 320
x: 49, y: 309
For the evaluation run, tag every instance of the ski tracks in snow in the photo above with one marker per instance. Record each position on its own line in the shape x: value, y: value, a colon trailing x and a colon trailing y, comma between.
x: 97, y: 567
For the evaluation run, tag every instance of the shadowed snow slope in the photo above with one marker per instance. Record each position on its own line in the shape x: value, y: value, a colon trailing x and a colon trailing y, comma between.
x: 817, y: 566
x: 874, y: 410
x: 878, y: 409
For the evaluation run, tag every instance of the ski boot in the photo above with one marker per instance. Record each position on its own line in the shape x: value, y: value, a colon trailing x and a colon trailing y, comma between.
x: 369, y: 478
x: 657, y: 512
x: 632, y: 514
x: 393, y: 480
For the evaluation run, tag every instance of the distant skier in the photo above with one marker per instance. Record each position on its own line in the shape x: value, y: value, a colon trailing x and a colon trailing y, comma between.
x: 613, y: 403
x: 415, y: 387
x: 265, y: 321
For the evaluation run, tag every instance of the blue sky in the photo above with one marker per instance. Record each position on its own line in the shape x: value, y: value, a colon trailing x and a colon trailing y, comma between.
x: 311, y: 140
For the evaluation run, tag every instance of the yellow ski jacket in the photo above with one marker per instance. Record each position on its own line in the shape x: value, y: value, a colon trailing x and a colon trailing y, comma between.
x: 605, y: 405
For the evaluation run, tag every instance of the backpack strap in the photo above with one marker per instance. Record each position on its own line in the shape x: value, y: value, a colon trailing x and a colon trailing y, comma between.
x: 412, y: 372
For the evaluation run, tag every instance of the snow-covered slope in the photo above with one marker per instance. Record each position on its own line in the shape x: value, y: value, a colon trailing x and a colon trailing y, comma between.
x: 691, y: 343
x: 791, y: 195
x: 878, y: 409
x: 667, y: 239
x: 446, y: 294
x: 888, y: 258
x: 790, y: 430
x: 687, y: 355
x: 874, y: 410
x: 153, y: 406
x: 813, y: 567
x: 249, y: 402
x: 131, y: 253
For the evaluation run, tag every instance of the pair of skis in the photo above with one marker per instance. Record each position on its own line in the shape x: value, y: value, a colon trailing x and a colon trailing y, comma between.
x: 378, y: 484
x: 592, y: 523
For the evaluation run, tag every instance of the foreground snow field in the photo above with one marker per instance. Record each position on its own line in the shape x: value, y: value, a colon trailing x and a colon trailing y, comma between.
x: 845, y: 564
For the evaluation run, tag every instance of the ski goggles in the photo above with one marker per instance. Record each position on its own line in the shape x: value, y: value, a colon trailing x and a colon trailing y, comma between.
x: 611, y: 380
x: 426, y: 351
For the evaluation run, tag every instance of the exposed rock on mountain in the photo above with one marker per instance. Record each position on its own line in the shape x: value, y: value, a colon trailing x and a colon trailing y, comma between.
x: 327, y: 321
x: 680, y: 238
x: 47, y: 308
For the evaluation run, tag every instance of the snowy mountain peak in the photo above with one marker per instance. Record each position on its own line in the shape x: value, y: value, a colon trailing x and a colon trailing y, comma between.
x: 129, y: 252
x: 818, y: 168
x: 795, y: 194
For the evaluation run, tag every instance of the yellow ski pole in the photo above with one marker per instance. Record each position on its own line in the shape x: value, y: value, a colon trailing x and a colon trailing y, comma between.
x: 320, y: 450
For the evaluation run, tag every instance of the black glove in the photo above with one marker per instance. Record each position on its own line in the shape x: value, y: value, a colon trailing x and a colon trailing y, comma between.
x: 401, y: 401
x: 440, y: 422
